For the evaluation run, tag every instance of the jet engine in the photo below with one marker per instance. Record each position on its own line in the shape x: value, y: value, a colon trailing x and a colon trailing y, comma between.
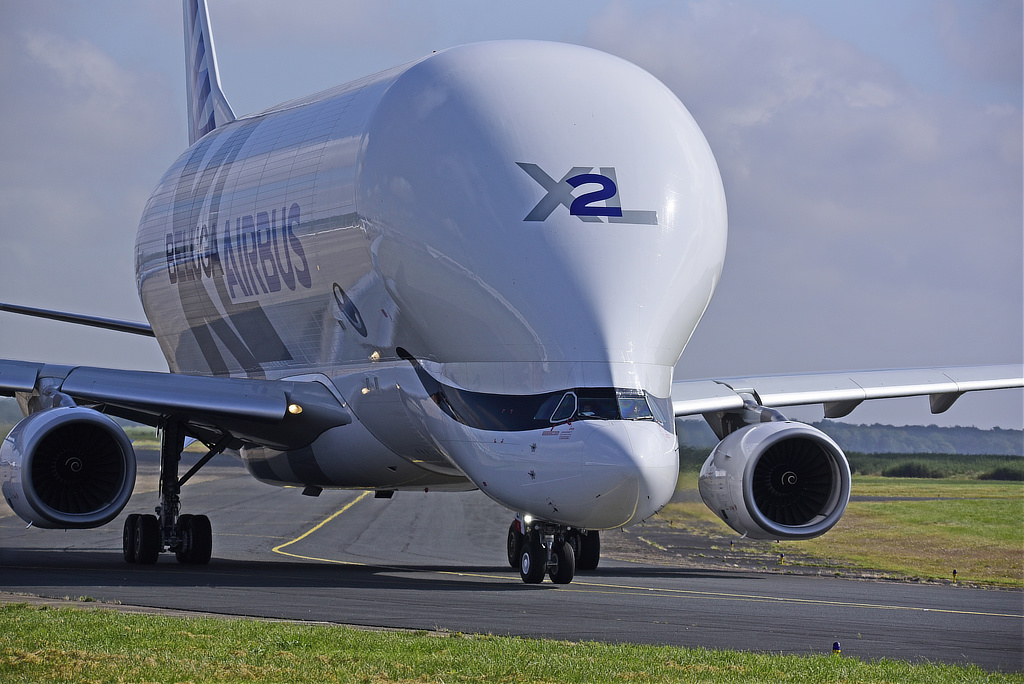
x: 68, y: 467
x: 777, y: 480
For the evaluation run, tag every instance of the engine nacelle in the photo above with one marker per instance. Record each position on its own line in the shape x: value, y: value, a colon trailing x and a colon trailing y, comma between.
x: 68, y: 467
x: 777, y: 480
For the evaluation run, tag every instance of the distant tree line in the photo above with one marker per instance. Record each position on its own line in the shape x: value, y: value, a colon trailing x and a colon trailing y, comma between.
x: 889, y: 439
x: 958, y: 466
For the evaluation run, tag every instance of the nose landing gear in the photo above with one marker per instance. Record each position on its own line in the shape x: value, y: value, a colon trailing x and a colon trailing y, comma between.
x: 537, y: 548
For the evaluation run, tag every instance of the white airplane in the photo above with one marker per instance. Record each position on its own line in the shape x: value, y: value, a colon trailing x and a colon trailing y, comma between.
x: 475, y: 271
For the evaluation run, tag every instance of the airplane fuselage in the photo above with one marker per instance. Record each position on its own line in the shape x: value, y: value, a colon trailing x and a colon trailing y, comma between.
x: 493, y: 256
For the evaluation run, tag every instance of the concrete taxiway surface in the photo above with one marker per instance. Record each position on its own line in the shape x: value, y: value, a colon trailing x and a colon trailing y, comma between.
x: 437, y: 561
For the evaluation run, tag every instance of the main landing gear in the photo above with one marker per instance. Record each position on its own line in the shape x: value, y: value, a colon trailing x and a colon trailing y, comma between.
x: 190, y: 537
x: 537, y: 548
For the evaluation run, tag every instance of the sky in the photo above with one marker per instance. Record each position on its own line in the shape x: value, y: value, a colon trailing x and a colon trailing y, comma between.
x: 871, y: 153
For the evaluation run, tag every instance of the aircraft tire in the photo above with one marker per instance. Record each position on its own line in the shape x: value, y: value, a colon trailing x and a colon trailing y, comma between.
x: 184, y: 529
x: 588, y: 554
x: 532, y: 562
x: 202, y: 540
x: 564, y: 568
x: 514, y: 545
x: 128, y: 537
x: 148, y: 541
x: 196, y: 540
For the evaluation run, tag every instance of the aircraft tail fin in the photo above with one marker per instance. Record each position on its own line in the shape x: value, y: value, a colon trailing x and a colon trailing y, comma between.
x: 207, y: 106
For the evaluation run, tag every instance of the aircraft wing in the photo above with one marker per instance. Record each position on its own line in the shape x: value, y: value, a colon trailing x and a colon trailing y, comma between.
x: 81, y: 319
x: 840, y: 393
x: 274, y: 413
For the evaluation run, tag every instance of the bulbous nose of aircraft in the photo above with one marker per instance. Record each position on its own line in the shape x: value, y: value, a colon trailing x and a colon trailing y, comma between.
x: 630, y: 468
x: 541, y: 203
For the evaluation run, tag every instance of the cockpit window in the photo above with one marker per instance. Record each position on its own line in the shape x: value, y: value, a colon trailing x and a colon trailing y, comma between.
x: 604, y: 403
x: 512, y: 412
x: 634, y: 406
x: 566, y: 408
x: 548, y: 405
x: 597, y: 404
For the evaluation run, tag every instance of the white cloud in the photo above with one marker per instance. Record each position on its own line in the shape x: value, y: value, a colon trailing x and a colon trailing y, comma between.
x: 85, y: 140
x: 871, y: 223
x: 982, y: 39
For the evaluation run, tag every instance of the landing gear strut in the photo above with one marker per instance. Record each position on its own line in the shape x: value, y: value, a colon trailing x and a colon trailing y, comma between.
x: 190, y: 537
x: 537, y: 548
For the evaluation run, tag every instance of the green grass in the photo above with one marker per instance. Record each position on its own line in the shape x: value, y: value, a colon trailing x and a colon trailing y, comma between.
x: 927, y: 488
x: 957, y: 466
x: 973, y: 526
x: 71, y: 645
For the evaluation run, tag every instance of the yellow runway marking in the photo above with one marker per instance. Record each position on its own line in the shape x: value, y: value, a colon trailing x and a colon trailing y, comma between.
x: 279, y: 547
x: 585, y: 587
x: 599, y: 588
x: 615, y: 588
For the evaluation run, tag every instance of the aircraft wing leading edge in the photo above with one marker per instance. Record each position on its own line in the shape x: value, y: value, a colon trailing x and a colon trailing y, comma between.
x: 81, y: 319
x: 273, y: 413
x: 841, y: 393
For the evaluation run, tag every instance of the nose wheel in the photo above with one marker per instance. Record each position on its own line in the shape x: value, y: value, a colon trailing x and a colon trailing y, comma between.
x: 587, y: 546
x: 561, y: 562
x: 540, y: 548
x: 514, y: 545
x: 533, y: 562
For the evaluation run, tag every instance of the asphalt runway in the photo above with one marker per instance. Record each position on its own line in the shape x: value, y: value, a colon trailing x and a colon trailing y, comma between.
x: 437, y: 561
